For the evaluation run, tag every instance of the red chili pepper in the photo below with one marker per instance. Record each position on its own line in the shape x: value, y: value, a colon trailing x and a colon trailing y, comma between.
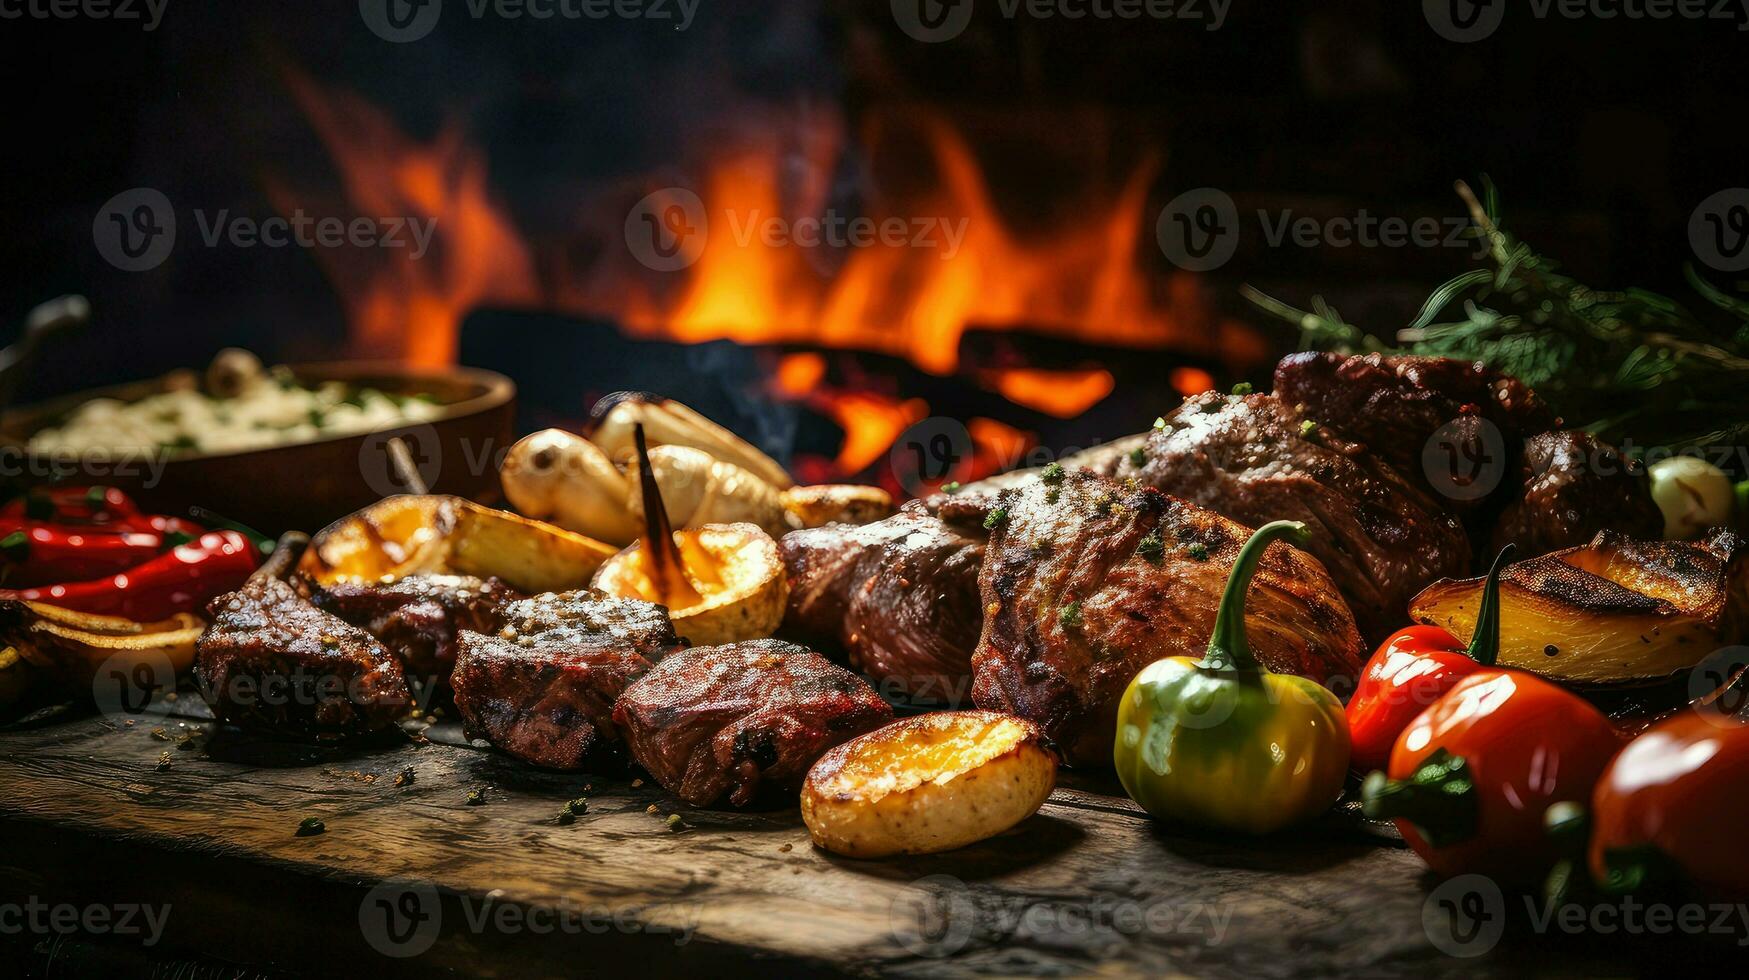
x: 1414, y: 668
x: 40, y: 554
x: 179, y: 580
x: 1471, y: 776
x: 1669, y: 804
x: 76, y: 505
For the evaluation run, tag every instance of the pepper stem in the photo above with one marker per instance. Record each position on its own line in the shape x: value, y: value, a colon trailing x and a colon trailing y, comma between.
x: 1485, y: 642
x: 1438, y: 798
x: 1228, y: 649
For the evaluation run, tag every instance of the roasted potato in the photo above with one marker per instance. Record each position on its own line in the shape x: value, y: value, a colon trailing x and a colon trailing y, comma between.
x: 404, y: 535
x: 734, y: 568
x: 70, y: 646
x: 698, y: 490
x: 1617, y: 610
x: 836, y: 503
x: 668, y: 423
x: 929, y: 783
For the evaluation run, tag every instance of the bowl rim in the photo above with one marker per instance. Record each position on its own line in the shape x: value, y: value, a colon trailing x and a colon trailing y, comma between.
x: 496, y: 391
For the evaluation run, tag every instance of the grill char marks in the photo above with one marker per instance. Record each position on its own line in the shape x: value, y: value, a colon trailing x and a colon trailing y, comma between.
x: 542, y: 688
x: 272, y: 661
x: 1381, y: 539
x: 1086, y: 581
x: 743, y: 717
x: 899, y: 597
x: 419, y: 617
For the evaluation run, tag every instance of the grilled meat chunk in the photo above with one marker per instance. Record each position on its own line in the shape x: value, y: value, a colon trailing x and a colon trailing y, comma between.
x: 271, y: 660
x: 542, y: 687
x: 419, y: 616
x: 1086, y: 581
x: 743, y: 717
x: 1246, y: 457
x: 1574, y: 487
x: 1396, y: 405
x: 899, y: 597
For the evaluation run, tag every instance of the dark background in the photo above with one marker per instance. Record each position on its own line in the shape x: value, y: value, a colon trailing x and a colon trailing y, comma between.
x: 1602, y: 134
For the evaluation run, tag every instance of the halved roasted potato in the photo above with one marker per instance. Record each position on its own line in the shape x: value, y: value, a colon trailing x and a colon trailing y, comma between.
x: 698, y: 489
x: 735, y: 572
x: 929, y: 783
x: 1616, y: 610
x: 404, y: 535
x: 667, y: 422
x: 836, y: 503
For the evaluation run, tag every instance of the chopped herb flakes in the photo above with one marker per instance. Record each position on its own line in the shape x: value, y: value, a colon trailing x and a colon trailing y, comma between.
x: 1198, y: 550
x: 1151, y: 548
x: 1242, y: 388
x: 1053, y: 473
x: 995, y: 518
x: 951, y: 487
x: 1138, y: 456
x: 1070, y: 616
x: 476, y: 797
x: 1307, y: 428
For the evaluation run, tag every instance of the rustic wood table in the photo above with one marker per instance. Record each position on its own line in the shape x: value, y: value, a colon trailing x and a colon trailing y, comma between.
x: 414, y: 878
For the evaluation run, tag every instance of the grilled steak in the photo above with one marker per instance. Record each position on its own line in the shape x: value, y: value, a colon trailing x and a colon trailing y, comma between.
x: 1574, y: 487
x: 899, y: 597
x: 542, y: 687
x: 1086, y: 581
x: 272, y: 660
x: 738, y: 718
x: 418, y: 616
x: 1245, y: 457
x: 1396, y: 405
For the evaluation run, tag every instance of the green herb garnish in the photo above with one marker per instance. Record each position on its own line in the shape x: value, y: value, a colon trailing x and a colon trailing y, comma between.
x: 1053, y: 473
x: 1138, y: 457
x: 1307, y: 428
x: 1070, y: 615
x: 951, y: 487
x: 1151, y: 548
x: 1198, y: 550
x: 994, y: 519
x: 1242, y: 388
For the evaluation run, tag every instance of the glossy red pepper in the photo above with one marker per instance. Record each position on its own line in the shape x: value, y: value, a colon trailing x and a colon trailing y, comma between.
x: 1471, y: 776
x: 180, y: 580
x: 1414, y: 668
x: 40, y: 554
x: 1671, y: 802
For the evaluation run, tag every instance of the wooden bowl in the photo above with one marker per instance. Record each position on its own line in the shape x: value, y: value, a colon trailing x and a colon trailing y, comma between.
x: 296, y: 486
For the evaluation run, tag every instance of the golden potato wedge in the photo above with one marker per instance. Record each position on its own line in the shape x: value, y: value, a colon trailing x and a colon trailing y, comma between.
x: 699, y: 490
x: 925, y: 784
x: 71, y: 646
x: 1616, y: 610
x: 529, y: 555
x: 736, y: 571
x: 667, y: 422
x: 405, y: 535
x: 557, y: 476
x: 836, y: 503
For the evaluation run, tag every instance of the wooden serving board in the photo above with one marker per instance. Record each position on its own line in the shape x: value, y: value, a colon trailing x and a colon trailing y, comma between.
x: 95, y: 811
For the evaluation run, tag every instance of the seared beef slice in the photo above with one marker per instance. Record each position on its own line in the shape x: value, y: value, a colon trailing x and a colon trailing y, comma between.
x: 899, y: 597
x: 272, y: 660
x: 1086, y: 581
x: 418, y: 617
x: 737, y: 718
x: 1248, y: 458
x: 542, y: 687
x: 1574, y: 487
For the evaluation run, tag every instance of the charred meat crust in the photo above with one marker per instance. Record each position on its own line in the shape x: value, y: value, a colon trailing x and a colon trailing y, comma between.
x: 742, y: 718
x: 419, y: 617
x: 1573, y: 487
x: 542, y: 688
x: 899, y: 597
x: 1246, y: 457
x: 271, y: 660
x: 1086, y: 581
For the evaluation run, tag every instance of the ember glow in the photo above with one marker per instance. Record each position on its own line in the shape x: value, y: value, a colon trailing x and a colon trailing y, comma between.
x: 914, y: 296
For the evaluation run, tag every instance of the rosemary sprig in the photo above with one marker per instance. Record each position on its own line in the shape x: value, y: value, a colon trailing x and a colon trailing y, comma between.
x: 1633, y: 366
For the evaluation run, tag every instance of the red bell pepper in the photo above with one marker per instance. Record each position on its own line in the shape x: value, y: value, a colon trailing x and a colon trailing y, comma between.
x: 179, y: 580
x: 1414, y: 668
x: 1669, y: 804
x: 39, y: 554
x: 1471, y: 776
